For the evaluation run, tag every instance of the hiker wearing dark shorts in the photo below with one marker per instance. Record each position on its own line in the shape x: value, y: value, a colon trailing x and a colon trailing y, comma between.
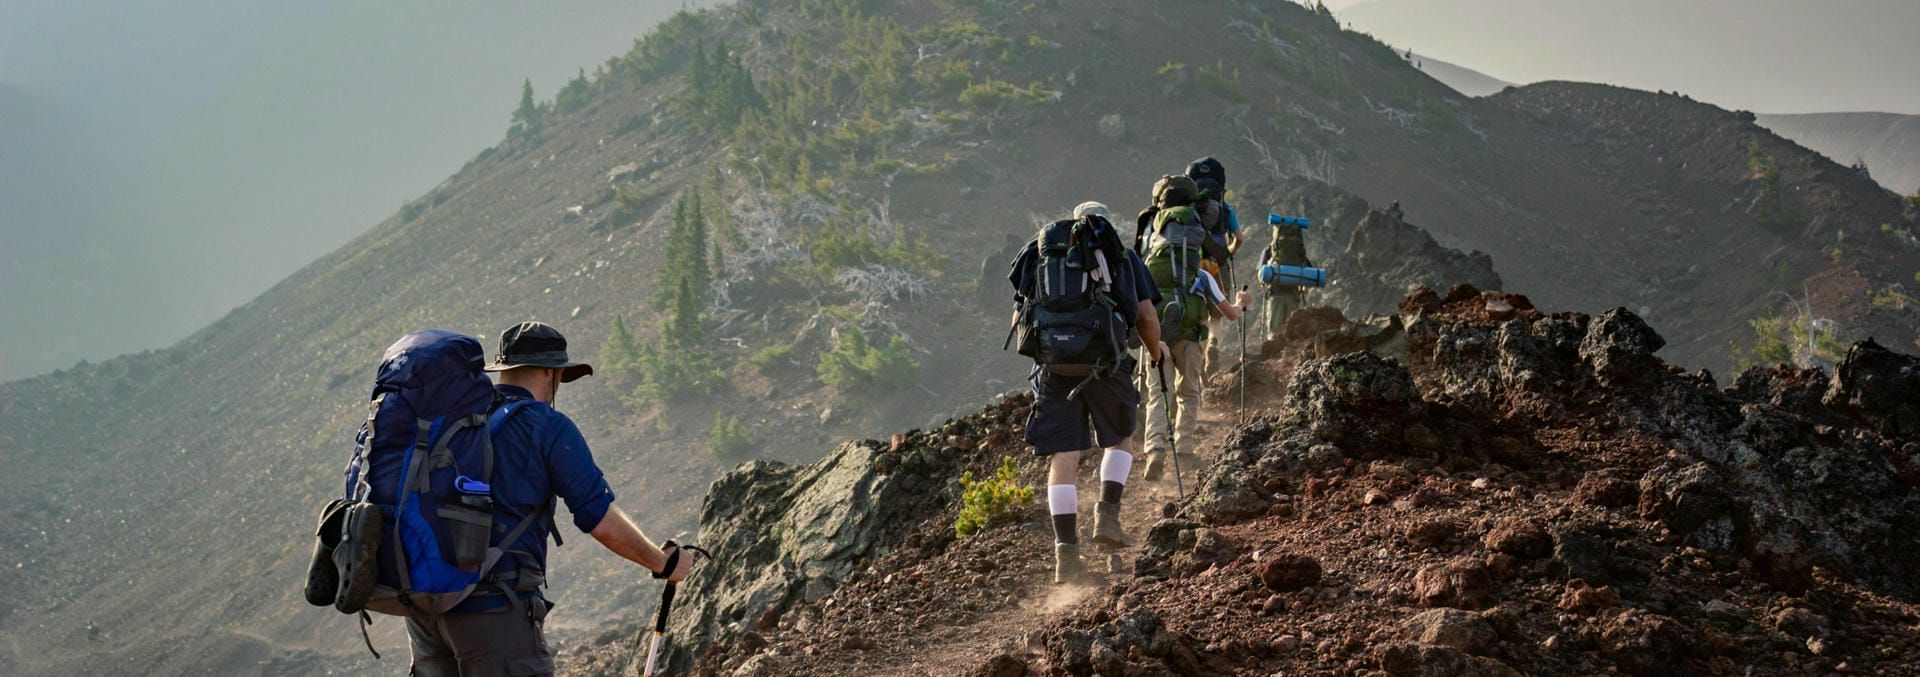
x: 1077, y: 407
x: 542, y: 458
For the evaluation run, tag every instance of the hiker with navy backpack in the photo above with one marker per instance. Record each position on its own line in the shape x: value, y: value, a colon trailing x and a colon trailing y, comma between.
x: 450, y: 499
x: 1081, y: 294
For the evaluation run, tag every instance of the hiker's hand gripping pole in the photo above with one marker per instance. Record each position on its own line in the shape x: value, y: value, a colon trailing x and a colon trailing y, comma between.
x: 674, y: 550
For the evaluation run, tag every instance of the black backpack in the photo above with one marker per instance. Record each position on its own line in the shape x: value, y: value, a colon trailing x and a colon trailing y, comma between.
x: 1069, y: 320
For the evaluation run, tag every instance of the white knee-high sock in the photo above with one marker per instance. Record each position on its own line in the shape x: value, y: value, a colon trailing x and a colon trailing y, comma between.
x: 1063, y: 500
x: 1114, y: 467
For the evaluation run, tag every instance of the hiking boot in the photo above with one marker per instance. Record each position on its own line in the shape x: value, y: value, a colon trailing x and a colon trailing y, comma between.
x: 1106, y: 526
x: 1067, y: 567
x: 1156, y: 466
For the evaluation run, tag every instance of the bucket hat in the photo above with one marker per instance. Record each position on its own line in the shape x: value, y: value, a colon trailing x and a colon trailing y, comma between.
x: 537, y: 344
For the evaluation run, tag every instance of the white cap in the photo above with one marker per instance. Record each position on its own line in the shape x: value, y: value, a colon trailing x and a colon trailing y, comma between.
x: 1093, y: 208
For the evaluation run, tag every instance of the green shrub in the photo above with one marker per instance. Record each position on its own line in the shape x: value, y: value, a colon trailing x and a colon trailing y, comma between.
x: 667, y: 375
x: 772, y: 357
x: 1770, y: 208
x: 1892, y: 297
x: 984, y: 503
x: 995, y: 93
x: 945, y: 77
x: 837, y: 247
x: 620, y: 352
x: 728, y: 439
x: 1216, y: 80
x: 1787, y: 339
x: 853, y: 366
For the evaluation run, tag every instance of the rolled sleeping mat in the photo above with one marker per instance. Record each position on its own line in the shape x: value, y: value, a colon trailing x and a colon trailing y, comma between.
x: 1278, y: 220
x: 1293, y: 276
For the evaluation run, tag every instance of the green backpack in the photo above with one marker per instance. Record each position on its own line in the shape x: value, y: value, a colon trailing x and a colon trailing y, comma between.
x: 1174, y: 248
x: 1289, y: 248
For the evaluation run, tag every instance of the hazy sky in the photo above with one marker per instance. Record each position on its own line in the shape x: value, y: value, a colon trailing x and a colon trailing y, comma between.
x: 1768, y: 56
x: 164, y: 162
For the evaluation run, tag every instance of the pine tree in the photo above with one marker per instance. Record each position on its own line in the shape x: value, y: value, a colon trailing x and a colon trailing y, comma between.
x: 621, y: 352
x: 574, y: 95
x: 672, y: 267
x: 698, y: 273
x: 685, y: 331
x: 699, y: 79
x: 526, y: 117
x: 687, y: 250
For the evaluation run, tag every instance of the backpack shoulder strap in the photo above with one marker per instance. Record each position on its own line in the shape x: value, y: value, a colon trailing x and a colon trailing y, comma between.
x: 500, y: 415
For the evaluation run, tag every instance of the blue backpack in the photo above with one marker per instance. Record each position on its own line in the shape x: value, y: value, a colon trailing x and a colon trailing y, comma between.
x: 421, y: 482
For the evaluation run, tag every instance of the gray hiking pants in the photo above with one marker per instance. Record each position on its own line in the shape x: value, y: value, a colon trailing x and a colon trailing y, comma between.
x: 480, y: 644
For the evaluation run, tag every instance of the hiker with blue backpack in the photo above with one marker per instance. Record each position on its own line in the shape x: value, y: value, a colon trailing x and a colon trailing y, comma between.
x: 1081, y: 297
x: 450, y: 499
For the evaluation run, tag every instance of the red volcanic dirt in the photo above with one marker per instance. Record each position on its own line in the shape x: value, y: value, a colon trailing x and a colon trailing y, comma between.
x: 1534, y: 493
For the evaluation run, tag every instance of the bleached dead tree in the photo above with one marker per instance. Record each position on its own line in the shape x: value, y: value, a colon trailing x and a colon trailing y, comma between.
x: 1266, y: 155
x: 1260, y: 36
x: 1404, y: 118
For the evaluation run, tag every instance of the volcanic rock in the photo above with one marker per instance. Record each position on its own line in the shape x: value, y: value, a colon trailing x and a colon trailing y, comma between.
x: 1619, y: 347
x: 1463, y: 583
x: 1431, y: 533
x: 1583, y: 598
x: 1693, y: 502
x: 1520, y: 538
x: 1288, y: 572
x: 1879, y: 388
x: 1463, y: 630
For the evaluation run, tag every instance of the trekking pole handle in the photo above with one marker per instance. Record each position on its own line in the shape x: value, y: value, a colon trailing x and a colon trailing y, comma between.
x: 666, y: 601
x: 666, y: 606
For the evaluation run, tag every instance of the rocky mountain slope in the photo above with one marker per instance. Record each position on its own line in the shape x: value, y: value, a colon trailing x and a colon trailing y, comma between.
x: 881, y: 149
x: 1513, y: 490
x: 1779, y: 55
x: 1888, y: 143
x: 1462, y: 79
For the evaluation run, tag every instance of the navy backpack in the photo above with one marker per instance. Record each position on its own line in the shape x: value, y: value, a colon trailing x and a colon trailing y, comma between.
x: 413, y: 534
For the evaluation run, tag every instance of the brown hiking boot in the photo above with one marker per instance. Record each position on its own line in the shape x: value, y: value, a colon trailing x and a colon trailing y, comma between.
x: 1156, y: 466
x: 1067, y: 567
x: 1106, y: 526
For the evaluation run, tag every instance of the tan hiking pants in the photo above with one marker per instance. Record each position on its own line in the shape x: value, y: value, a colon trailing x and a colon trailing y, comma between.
x: 1184, y: 364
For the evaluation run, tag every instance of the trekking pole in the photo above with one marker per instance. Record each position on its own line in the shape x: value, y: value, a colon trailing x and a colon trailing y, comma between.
x: 1243, y: 362
x: 666, y: 605
x: 1173, y: 446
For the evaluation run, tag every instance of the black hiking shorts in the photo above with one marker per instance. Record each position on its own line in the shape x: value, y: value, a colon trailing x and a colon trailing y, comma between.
x: 1103, y: 412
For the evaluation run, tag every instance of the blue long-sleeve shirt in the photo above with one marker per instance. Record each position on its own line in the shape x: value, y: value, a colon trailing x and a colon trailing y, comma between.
x: 539, y: 456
